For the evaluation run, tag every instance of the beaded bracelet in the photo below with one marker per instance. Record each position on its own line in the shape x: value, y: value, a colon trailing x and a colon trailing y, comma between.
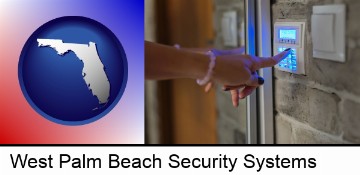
x: 209, y: 73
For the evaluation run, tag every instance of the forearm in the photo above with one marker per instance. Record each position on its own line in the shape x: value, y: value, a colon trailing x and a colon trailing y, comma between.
x: 166, y: 62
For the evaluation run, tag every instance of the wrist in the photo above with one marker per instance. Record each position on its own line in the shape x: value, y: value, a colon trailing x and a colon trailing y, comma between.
x: 194, y: 64
x: 198, y: 63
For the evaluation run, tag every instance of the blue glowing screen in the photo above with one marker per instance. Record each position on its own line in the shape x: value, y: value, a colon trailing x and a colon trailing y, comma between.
x: 287, y: 34
x: 290, y: 61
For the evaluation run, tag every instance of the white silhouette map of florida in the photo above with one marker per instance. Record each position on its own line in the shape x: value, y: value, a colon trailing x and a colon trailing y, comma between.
x: 93, y: 71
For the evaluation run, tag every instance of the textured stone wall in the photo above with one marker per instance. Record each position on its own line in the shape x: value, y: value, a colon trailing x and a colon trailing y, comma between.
x: 324, y: 105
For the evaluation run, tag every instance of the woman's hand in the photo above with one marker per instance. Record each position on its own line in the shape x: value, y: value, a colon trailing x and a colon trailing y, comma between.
x: 237, y: 51
x: 238, y: 72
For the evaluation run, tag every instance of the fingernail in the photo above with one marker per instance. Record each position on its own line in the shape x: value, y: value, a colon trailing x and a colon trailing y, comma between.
x: 261, y: 80
x: 226, y: 89
x: 287, y: 49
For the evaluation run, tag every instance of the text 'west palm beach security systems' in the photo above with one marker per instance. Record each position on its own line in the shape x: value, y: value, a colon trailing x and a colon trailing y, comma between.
x: 222, y: 161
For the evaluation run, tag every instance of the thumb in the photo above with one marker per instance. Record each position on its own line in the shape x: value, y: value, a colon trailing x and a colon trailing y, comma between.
x: 255, y: 80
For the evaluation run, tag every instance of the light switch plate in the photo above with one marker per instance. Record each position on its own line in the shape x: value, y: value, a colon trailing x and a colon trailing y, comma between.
x: 323, y: 32
x: 229, y: 28
x: 328, y: 32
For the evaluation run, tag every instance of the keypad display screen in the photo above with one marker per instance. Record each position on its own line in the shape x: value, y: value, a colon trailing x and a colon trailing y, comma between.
x: 287, y: 34
x: 290, y: 61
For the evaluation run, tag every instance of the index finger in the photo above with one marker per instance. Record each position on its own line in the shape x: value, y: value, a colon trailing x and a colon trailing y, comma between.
x: 272, y: 61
